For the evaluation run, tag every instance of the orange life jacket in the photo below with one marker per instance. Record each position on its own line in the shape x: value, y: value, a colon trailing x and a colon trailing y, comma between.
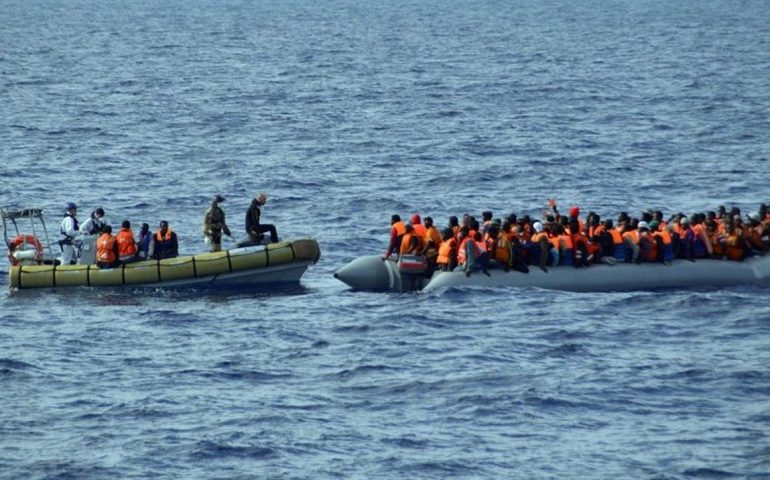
x: 432, y: 235
x: 633, y: 235
x: 718, y: 243
x: 400, y: 228
x: 461, y: 257
x: 445, y: 250
x: 406, y: 241
x: 565, y: 242
x: 664, y: 235
x: 419, y: 229
x: 159, y: 237
x: 617, y: 238
x: 126, y: 243
x: 105, y: 248
x: 734, y: 247
x: 503, y: 249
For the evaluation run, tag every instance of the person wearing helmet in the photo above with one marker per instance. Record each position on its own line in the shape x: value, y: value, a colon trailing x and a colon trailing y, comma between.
x: 214, y: 224
x: 254, y: 228
x: 67, y: 234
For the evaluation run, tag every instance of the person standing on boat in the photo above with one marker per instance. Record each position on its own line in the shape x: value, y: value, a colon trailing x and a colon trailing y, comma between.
x: 254, y: 229
x: 94, y: 224
x: 67, y: 234
x: 214, y: 224
x: 165, y: 244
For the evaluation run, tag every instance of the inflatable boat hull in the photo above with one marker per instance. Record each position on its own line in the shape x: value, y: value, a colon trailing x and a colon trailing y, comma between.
x: 374, y: 273
x: 249, y: 267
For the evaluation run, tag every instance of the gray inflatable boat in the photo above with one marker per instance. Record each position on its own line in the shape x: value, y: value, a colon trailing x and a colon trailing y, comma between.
x: 375, y: 274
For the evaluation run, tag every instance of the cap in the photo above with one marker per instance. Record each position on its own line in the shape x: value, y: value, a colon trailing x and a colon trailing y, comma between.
x: 684, y: 221
x: 416, y: 219
x: 642, y: 225
x: 71, y: 206
x: 538, y: 227
x: 654, y: 224
x: 574, y: 211
x: 218, y: 198
x: 754, y: 217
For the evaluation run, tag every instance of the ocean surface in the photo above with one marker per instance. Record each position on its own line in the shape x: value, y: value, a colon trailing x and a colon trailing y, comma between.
x: 346, y: 112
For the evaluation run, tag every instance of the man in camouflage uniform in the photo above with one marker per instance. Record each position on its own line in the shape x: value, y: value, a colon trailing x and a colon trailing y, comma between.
x: 214, y: 224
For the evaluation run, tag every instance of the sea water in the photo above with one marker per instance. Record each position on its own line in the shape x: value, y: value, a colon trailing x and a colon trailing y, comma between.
x: 344, y: 113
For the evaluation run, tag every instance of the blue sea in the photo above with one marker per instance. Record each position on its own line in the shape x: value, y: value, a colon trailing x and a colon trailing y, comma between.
x: 346, y: 112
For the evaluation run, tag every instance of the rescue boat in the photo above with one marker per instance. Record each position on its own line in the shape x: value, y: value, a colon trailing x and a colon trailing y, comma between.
x: 34, y: 264
x: 247, y: 267
x: 375, y: 274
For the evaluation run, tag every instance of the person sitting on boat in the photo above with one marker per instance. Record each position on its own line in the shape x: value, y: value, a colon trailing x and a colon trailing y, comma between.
x: 127, y: 249
x: 432, y: 241
x: 419, y: 228
x: 476, y: 255
x: 94, y: 224
x: 397, y: 231
x: 411, y: 242
x: 736, y: 246
x: 662, y: 238
x: 106, y: 249
x: 686, y: 246
x: 214, y: 224
x: 648, y: 247
x: 145, y: 241
x: 447, y: 251
x: 254, y: 229
x: 165, y: 244
x: 486, y: 221
x: 69, y: 231
x: 539, y: 247
x: 754, y: 234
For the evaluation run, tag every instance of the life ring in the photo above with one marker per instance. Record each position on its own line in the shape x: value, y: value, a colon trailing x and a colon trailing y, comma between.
x: 17, y: 254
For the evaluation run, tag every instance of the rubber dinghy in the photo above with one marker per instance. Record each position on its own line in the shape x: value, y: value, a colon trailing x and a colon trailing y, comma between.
x: 375, y: 274
x: 248, y: 267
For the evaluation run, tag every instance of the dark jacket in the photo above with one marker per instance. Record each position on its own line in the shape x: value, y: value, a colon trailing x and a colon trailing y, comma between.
x: 252, y: 215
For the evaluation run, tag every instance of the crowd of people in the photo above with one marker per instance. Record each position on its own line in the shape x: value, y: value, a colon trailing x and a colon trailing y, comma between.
x: 125, y: 247
x: 518, y: 243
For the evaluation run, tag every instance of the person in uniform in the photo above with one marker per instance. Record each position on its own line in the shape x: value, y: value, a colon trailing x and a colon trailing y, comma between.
x: 214, y: 223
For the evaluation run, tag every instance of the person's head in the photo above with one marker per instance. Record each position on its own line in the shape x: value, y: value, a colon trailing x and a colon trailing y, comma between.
x: 466, y: 220
x: 538, y: 227
x: 475, y: 224
x: 416, y: 220
x: 125, y: 224
x: 107, y: 229
x: 647, y: 216
x: 453, y: 221
x: 654, y: 225
x: 754, y: 219
x: 145, y: 228
x: 512, y: 218
x: 658, y: 215
x: 447, y: 233
x: 493, y: 230
x: 643, y: 227
x: 721, y: 210
x: 163, y: 226
x: 261, y: 198
x: 99, y: 212
x: 71, y: 208
x: 623, y: 217
x: 486, y: 215
x: 684, y: 222
x: 464, y: 231
x: 217, y: 199
x: 428, y: 222
x: 395, y: 218
x: 574, y: 211
x: 477, y: 236
x: 608, y: 224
